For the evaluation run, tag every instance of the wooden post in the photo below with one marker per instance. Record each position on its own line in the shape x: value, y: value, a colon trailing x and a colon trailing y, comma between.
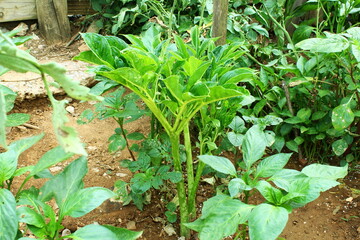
x: 220, y: 15
x: 53, y: 21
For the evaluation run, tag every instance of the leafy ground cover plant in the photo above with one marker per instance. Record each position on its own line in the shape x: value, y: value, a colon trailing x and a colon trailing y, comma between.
x: 31, y: 206
x: 282, y: 190
x: 175, y: 81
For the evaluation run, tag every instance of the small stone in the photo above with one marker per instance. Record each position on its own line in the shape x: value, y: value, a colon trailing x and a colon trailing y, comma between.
x: 92, y: 148
x: 131, y: 225
x: 169, y: 229
x: 96, y: 170
x: 121, y: 174
x: 70, y: 109
x: 22, y: 128
x: 33, y: 27
x: 41, y: 46
x: 65, y: 232
x: 349, y: 199
x: 35, y: 37
x: 23, y: 27
x: 55, y: 169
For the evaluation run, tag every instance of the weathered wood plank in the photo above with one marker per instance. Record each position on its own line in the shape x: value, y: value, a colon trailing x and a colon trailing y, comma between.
x: 79, y: 7
x: 18, y: 10
x: 13, y: 10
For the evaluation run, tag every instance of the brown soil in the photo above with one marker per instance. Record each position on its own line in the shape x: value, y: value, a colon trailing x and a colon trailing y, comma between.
x: 334, y: 215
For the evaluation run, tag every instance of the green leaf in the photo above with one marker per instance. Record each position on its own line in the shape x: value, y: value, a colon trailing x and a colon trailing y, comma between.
x: 235, y: 139
x: 173, y: 85
x: 292, y: 145
x: 267, y: 222
x: 333, y: 43
x: 220, y: 164
x: 67, y: 136
x: 270, y: 165
x: 342, y: 116
x: 124, y: 234
x: 100, y: 47
x: 279, y: 143
x: 8, y: 218
x: 254, y: 145
x: 237, y: 124
x: 3, y: 119
x: 221, y: 217
x: 17, y: 119
x: 318, y: 115
x: 93, y: 232
x: 50, y: 158
x: 90, y: 57
x: 82, y: 202
x: 237, y: 185
x: 30, y: 216
x: 271, y: 194
x: 304, y: 114
x: 339, y: 146
x: 9, y: 159
x: 66, y: 183
x: 135, y: 136
x: 325, y: 171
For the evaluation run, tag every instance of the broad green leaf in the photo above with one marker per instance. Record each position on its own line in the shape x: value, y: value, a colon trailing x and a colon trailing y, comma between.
x: 254, y: 145
x: 279, y: 143
x: 50, y: 158
x: 355, y: 32
x: 71, y: 87
x: 223, y: 219
x: 30, y: 216
x: 270, y: 138
x: 93, y: 232
x: 9, y: 159
x: 342, y: 116
x: 292, y: 145
x: 339, y: 146
x: 124, y: 234
x: 85, y: 200
x: 325, y: 171
x: 237, y: 75
x: 304, y: 114
x: 267, y: 222
x: 191, y: 65
x: 17, y: 119
x: 140, y: 61
x: 237, y: 185
x: 66, y: 183
x: 173, y: 85
x: 308, y: 189
x: 218, y: 93
x: 135, y: 136
x: 220, y: 164
x: 236, y: 139
x: 285, y: 177
x: 271, y: 194
x: 100, y: 47
x: 3, y: 119
x: 90, y: 57
x: 67, y: 136
x: 270, y: 165
x: 8, y: 218
x: 9, y: 96
x: 318, y: 115
x: 197, y: 75
x: 237, y: 124
x: 18, y: 60
x: 355, y: 49
x: 334, y: 43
